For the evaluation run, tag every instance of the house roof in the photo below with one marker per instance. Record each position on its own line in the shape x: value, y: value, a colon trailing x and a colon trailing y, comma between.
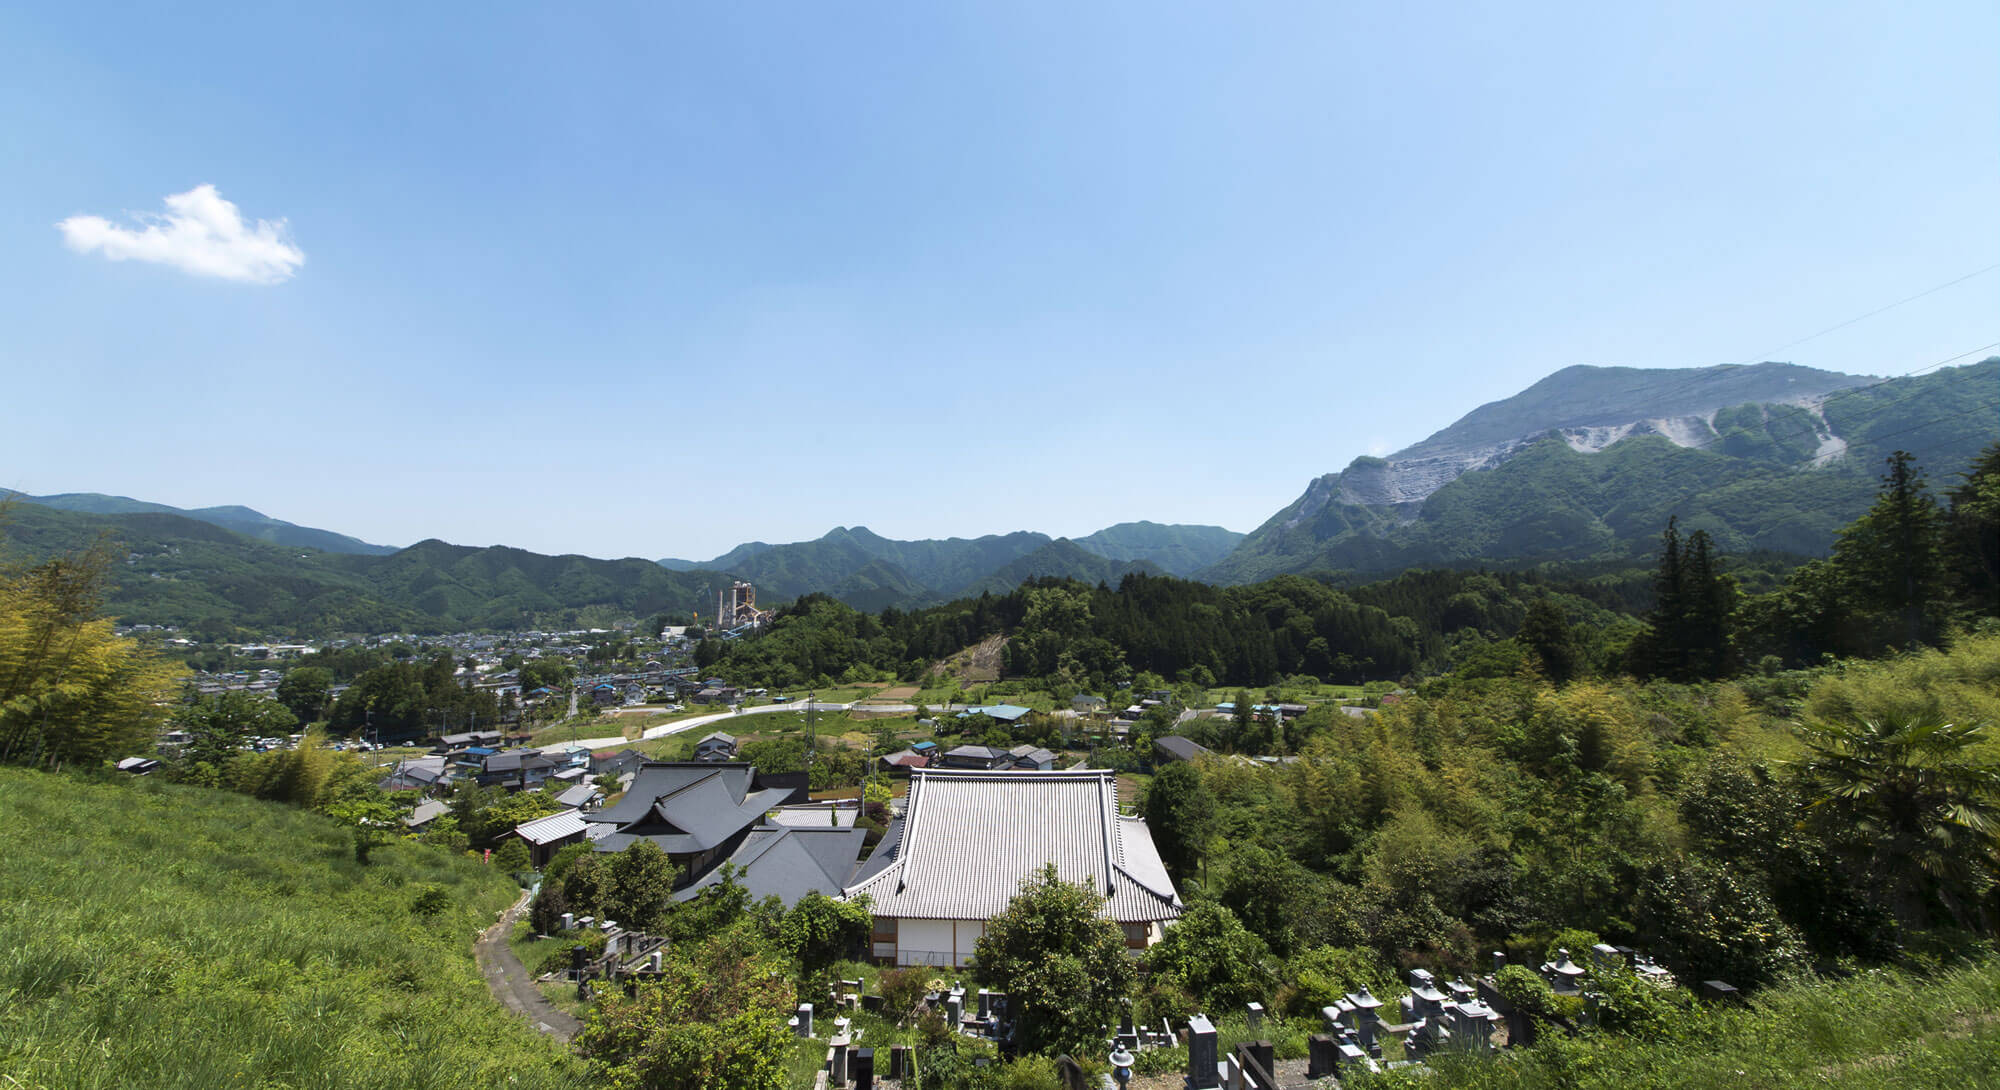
x: 907, y: 759
x: 577, y: 796
x: 426, y: 812
x: 1005, y: 713
x: 569, y: 823
x: 1032, y: 753
x: 718, y: 736
x: 976, y: 753
x: 688, y: 807
x: 963, y: 849
x: 814, y: 816
x: 1183, y: 749
x: 789, y: 863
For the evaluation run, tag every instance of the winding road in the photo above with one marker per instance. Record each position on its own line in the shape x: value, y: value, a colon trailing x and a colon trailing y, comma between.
x: 511, y: 982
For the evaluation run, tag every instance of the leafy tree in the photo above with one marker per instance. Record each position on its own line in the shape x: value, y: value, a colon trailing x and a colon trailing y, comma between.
x: 1324, y: 974
x: 1915, y: 803
x: 1061, y: 963
x: 305, y: 690
x: 715, y: 1020
x: 220, y: 726
x: 1209, y: 954
x: 820, y: 930
x: 641, y: 878
x: 71, y: 691
x: 1180, y: 813
x: 512, y: 855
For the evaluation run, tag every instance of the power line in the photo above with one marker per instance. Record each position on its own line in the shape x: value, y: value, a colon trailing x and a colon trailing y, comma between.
x: 1667, y: 389
x: 1879, y: 310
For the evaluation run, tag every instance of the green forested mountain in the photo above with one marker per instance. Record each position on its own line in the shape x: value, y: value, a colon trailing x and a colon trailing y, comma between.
x: 175, y: 570
x: 869, y: 571
x: 1060, y: 559
x: 1593, y: 469
x: 242, y: 520
x: 1176, y: 550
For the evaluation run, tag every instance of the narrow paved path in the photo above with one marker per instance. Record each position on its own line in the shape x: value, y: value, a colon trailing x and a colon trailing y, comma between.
x: 512, y: 984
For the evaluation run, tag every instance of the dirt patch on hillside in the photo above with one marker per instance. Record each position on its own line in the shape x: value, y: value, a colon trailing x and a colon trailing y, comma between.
x: 900, y: 692
x: 975, y: 664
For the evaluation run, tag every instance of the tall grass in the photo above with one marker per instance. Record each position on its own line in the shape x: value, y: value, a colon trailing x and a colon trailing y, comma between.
x: 161, y: 936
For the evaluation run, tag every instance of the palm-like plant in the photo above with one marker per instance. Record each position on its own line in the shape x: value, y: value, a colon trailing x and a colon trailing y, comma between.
x: 1922, y: 805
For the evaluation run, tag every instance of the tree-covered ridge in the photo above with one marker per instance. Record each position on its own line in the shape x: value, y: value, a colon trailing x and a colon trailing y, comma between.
x: 1099, y: 636
x: 1175, y: 550
x: 242, y: 520
x: 1758, y: 476
x: 868, y: 571
x: 180, y: 571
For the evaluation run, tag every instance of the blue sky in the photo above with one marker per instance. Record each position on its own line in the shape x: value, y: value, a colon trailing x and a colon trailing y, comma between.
x: 654, y: 280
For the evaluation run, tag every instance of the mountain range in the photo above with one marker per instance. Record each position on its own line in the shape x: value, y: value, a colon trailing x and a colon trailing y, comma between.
x: 1587, y: 464
x: 1590, y: 462
x: 869, y: 571
x: 242, y: 520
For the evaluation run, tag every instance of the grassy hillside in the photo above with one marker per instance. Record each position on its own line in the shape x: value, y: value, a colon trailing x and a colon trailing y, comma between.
x: 161, y: 936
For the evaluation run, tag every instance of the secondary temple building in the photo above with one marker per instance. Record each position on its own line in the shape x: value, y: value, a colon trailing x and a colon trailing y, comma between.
x: 968, y: 840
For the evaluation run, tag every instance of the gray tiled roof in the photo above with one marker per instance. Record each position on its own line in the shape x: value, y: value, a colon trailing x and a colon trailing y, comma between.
x: 970, y: 838
x: 687, y: 808
x: 789, y: 863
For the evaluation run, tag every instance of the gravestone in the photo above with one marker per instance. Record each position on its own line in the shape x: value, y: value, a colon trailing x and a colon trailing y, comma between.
x: 837, y: 1065
x: 899, y: 1062
x: 1319, y: 1056
x: 1201, y: 1070
x: 1254, y: 1015
x: 1070, y: 1075
x: 805, y: 1020
x: 861, y: 1069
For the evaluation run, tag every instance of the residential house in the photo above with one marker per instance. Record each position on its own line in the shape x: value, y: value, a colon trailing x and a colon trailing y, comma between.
x: 1033, y: 758
x: 1086, y: 704
x: 1000, y: 713
x: 902, y: 762
x: 548, y: 835
x: 582, y: 796
x: 962, y: 849
x: 980, y: 758
x: 716, y: 747
x: 426, y: 812
x: 418, y: 774
x: 518, y: 769
x: 1176, y: 748
x: 615, y: 763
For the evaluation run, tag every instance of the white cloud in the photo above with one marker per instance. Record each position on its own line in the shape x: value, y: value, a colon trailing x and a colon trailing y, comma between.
x: 201, y: 233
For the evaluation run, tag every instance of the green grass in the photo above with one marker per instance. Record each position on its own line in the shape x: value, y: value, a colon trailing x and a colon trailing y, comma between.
x: 162, y: 936
x: 1880, y: 1029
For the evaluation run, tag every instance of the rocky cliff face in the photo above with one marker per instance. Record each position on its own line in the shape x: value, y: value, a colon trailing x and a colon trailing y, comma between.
x: 1590, y: 408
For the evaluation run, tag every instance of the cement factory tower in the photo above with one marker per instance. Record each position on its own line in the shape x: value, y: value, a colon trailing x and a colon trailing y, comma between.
x: 737, y: 606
